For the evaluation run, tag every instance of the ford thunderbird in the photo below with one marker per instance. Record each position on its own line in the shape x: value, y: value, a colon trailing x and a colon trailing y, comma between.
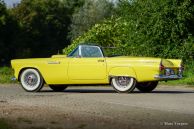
x: 87, y: 64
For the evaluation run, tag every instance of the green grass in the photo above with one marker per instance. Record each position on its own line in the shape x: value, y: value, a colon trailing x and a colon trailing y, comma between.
x: 4, y: 124
x: 6, y: 73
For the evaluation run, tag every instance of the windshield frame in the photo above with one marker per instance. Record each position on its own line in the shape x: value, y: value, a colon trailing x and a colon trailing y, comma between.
x: 79, y: 49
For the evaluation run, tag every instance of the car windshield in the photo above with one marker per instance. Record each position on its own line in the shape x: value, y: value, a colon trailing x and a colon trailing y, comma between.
x: 91, y: 51
x: 86, y: 51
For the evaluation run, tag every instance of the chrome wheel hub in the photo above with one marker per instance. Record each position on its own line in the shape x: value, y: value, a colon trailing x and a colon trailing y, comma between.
x: 123, y: 81
x: 31, y: 79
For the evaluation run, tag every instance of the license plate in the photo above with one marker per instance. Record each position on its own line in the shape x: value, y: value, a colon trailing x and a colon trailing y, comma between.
x: 169, y: 72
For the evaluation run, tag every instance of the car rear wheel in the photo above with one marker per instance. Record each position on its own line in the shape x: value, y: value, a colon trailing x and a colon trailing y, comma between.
x: 31, y: 80
x: 123, y: 84
x: 146, y: 86
x: 58, y: 88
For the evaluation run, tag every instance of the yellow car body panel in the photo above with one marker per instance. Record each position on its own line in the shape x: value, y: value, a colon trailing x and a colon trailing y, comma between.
x: 142, y: 68
x: 90, y: 70
x: 60, y: 69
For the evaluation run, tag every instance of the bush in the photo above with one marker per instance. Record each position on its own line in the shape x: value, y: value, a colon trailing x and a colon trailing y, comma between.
x: 146, y: 28
x: 188, y: 75
x: 6, y: 73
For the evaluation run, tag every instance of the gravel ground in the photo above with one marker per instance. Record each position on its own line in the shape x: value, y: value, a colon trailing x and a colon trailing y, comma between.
x: 97, y: 107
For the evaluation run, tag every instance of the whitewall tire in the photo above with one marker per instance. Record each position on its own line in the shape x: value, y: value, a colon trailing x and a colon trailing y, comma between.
x: 123, y: 84
x: 31, y: 80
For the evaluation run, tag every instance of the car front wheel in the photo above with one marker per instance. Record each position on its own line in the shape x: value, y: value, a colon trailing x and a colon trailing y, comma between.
x: 147, y: 86
x: 58, y: 88
x: 123, y: 84
x: 31, y: 80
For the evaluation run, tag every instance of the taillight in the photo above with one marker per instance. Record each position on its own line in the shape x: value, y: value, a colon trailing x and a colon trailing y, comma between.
x: 161, y: 68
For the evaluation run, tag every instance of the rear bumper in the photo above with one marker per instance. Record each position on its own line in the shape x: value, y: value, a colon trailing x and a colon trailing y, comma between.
x: 170, y: 77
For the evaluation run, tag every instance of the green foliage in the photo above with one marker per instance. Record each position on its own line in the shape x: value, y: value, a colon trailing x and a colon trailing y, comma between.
x: 146, y: 28
x: 161, y: 27
x: 104, y: 34
x: 6, y: 73
x: 74, y: 5
x: 189, y: 76
x: 43, y: 27
x: 40, y: 28
x: 34, y: 28
x: 89, y: 14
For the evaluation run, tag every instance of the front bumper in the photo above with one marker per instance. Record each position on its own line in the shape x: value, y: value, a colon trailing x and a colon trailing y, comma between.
x: 170, y: 77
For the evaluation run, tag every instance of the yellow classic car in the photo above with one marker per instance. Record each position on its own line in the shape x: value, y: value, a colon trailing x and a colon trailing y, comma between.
x: 87, y: 64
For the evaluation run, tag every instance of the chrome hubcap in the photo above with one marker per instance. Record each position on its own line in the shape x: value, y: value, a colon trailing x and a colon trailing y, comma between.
x: 122, y: 81
x: 31, y: 79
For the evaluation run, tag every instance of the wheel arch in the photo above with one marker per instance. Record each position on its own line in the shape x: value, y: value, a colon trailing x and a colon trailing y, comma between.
x: 122, y: 71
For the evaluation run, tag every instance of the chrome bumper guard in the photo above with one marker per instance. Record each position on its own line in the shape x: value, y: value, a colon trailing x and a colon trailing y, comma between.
x: 170, y: 77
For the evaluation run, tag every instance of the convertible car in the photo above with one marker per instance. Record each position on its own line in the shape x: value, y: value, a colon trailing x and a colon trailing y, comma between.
x: 87, y: 64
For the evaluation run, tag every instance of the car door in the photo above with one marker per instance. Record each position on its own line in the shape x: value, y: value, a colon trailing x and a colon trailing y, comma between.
x: 54, y: 70
x: 87, y: 64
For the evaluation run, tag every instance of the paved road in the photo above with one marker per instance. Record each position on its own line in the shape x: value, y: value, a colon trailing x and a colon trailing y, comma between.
x: 97, y: 107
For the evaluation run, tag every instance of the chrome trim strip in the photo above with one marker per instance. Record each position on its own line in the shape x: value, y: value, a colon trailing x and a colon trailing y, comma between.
x: 80, y: 51
x: 171, y: 77
x: 53, y: 62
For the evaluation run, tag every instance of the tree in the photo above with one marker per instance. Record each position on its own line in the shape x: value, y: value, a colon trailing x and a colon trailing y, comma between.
x: 2, y: 29
x: 89, y: 14
x: 8, y: 29
x: 74, y: 5
x: 43, y: 27
x: 162, y: 27
x: 146, y: 28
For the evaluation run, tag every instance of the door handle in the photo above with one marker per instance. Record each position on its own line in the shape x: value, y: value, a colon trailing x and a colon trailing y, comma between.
x: 100, y: 60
